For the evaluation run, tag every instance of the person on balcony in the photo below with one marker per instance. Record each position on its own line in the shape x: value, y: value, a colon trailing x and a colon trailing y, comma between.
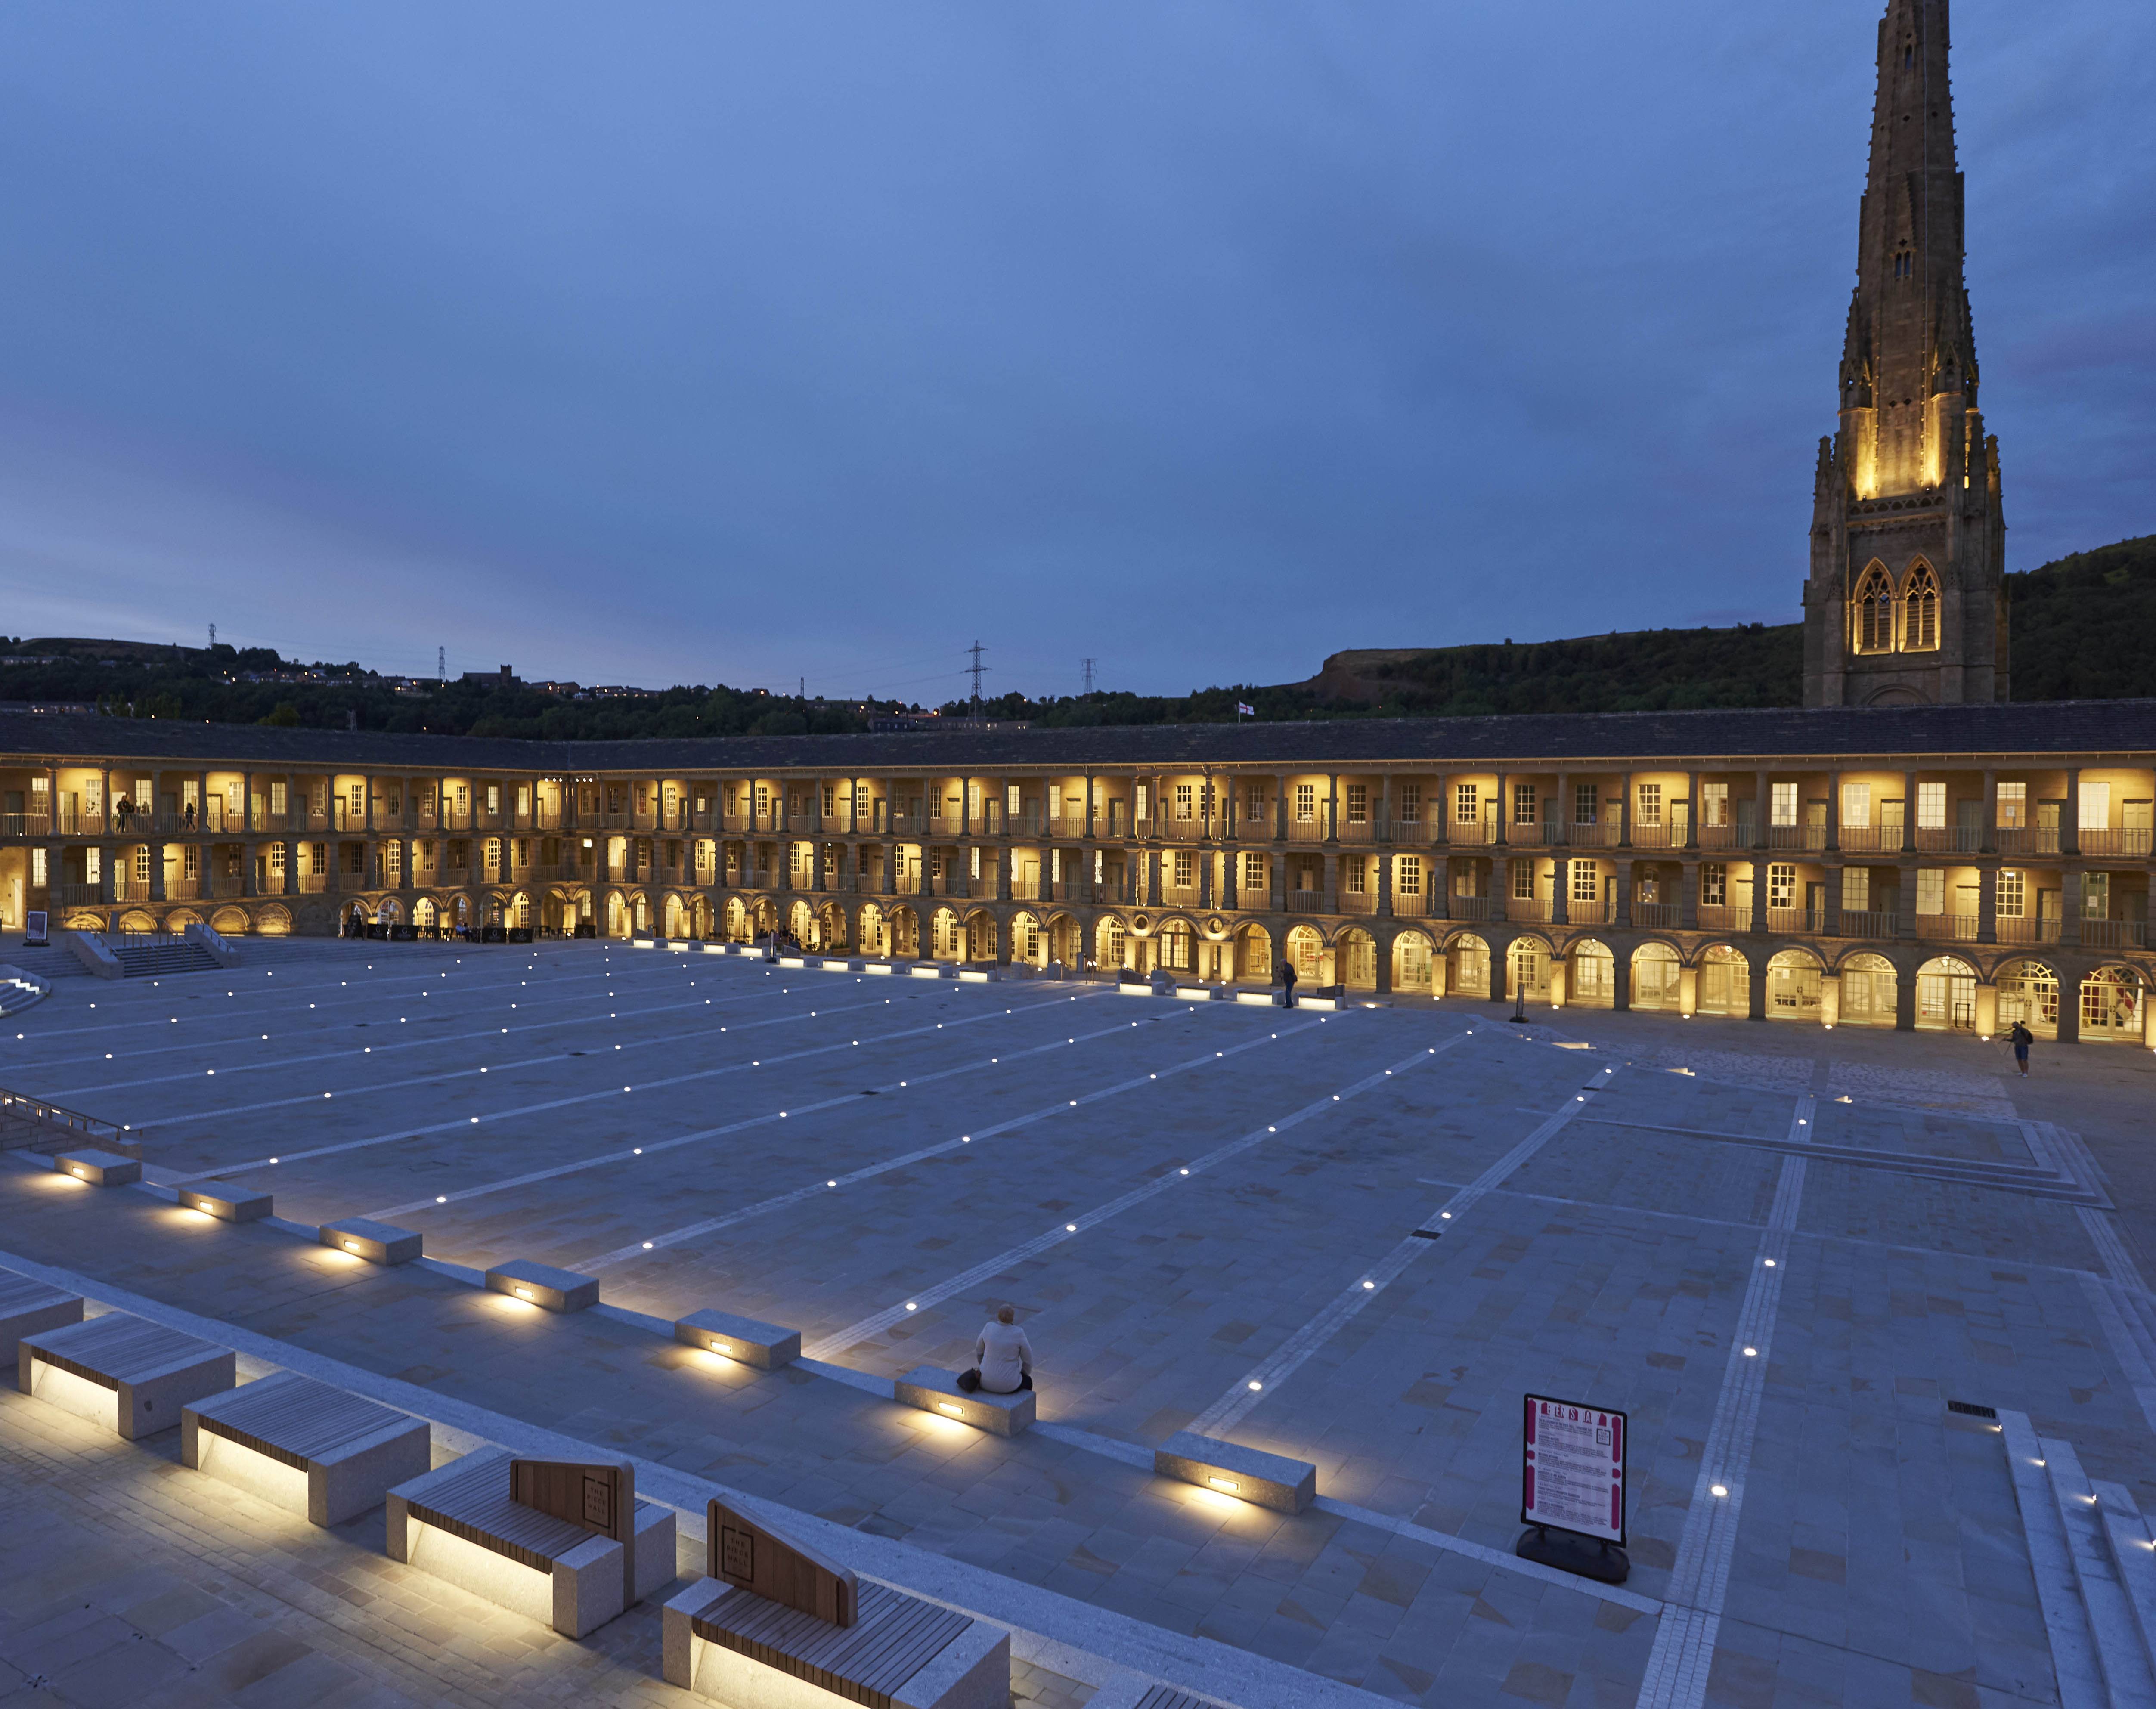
x: 1003, y: 1358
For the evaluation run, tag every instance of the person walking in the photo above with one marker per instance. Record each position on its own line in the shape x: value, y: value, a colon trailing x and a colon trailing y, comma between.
x: 2021, y: 1039
x: 1288, y: 984
x: 1003, y: 1358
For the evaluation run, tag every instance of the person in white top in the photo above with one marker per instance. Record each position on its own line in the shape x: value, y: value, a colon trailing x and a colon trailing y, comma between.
x: 1002, y: 1358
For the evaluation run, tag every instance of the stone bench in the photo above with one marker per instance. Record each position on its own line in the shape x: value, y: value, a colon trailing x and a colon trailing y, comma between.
x: 765, y: 1345
x: 100, y: 1169
x: 28, y: 1308
x: 935, y: 1390
x: 776, y: 1626
x: 226, y: 1205
x: 1268, y: 1480
x: 568, y: 1545
x: 304, y: 1446
x: 543, y: 1286
x: 128, y: 1374
x: 376, y: 1242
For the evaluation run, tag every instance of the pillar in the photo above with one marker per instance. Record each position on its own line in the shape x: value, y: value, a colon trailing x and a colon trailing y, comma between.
x: 1990, y: 844
x: 156, y: 871
x: 1620, y: 981
x: 2070, y: 831
x: 1755, y: 986
x: 1384, y: 884
x: 1987, y: 906
x: 1440, y: 965
x: 1987, y: 1010
x: 1688, y: 897
x: 1332, y: 808
x: 2070, y: 912
x: 1909, y: 814
x: 1759, y: 892
x: 1557, y: 972
x: 1833, y: 811
x: 1905, y: 1001
x: 1830, y: 916
x: 2069, y: 1007
x: 1560, y: 891
x: 1687, y: 992
x: 1830, y: 1000
x: 1692, y: 818
x: 1279, y: 807
x: 1503, y: 815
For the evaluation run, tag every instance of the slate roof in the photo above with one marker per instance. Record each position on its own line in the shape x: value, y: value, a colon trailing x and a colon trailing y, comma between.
x: 2116, y: 730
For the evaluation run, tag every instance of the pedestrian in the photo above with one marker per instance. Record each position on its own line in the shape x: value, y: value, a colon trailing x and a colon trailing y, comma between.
x: 1288, y: 984
x: 1003, y: 1358
x: 2021, y: 1039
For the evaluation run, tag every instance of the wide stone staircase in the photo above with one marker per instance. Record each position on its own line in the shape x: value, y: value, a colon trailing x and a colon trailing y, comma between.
x: 140, y: 961
x: 2094, y: 1558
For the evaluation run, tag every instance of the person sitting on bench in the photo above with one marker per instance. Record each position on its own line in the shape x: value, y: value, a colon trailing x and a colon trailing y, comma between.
x: 1003, y: 1358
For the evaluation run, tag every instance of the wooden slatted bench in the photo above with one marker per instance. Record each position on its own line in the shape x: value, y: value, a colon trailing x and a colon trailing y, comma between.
x: 568, y: 1545
x: 124, y: 1373
x: 308, y: 1448
x: 778, y: 1627
x: 27, y: 1307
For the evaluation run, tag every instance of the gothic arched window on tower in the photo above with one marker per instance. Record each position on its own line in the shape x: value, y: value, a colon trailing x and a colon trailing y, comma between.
x: 1872, y: 613
x: 1920, y: 611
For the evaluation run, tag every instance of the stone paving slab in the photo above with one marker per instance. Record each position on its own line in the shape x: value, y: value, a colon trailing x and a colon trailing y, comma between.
x: 1878, y: 1540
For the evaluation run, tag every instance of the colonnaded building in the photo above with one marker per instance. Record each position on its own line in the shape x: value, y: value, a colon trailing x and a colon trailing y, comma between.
x: 1910, y: 849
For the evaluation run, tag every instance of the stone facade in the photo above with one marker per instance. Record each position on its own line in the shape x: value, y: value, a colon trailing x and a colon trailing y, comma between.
x: 1905, y: 867
x: 1905, y: 601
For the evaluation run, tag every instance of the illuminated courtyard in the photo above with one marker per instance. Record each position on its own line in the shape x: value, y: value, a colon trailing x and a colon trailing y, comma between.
x: 1354, y: 1238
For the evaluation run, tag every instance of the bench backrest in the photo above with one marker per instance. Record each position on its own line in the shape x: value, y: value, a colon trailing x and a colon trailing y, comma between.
x: 743, y: 1554
x: 601, y: 1497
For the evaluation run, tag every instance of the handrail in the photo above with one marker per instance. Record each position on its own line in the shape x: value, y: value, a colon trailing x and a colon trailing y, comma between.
x: 24, y: 1119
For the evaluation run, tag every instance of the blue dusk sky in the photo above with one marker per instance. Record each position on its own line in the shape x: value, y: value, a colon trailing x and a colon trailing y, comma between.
x: 721, y: 342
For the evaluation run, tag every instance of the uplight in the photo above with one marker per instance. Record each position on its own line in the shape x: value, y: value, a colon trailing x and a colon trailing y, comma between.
x: 1255, y: 1386
x: 945, y: 1406
x: 351, y: 1246
x: 1717, y: 1489
x: 524, y: 1293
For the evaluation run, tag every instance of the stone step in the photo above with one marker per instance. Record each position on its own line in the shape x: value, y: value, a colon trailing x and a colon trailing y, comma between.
x: 2106, y: 1601
x: 2079, y: 1678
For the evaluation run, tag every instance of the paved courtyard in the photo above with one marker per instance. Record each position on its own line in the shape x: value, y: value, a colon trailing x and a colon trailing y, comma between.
x: 1354, y: 1238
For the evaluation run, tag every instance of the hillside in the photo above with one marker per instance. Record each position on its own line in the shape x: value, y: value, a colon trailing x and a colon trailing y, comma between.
x: 2084, y: 628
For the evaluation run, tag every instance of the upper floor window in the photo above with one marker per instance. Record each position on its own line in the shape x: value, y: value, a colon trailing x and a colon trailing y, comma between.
x: 1306, y: 803
x: 1358, y: 803
x: 1873, y: 611
x: 1920, y: 611
x: 1523, y: 804
x: 1466, y: 802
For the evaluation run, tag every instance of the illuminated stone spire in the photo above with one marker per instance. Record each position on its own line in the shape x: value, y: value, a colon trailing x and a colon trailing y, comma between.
x: 1905, y: 600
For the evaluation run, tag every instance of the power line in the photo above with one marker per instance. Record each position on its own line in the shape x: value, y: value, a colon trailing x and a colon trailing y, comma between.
x: 974, y: 671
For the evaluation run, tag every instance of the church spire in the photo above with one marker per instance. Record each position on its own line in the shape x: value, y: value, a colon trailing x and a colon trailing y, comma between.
x: 1906, y: 598
x: 1909, y: 361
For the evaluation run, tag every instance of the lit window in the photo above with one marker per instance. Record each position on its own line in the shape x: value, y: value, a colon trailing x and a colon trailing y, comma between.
x: 1920, y: 611
x: 1523, y: 804
x: 1358, y: 803
x: 1713, y: 883
x: 2013, y: 893
x: 1586, y: 881
x: 1651, y: 804
x: 1523, y: 879
x: 1587, y: 803
x: 1931, y: 890
x: 1306, y: 803
x: 1410, y: 875
x: 1872, y: 612
x: 1781, y: 885
x: 1467, y: 803
x: 1857, y: 889
x: 1783, y: 804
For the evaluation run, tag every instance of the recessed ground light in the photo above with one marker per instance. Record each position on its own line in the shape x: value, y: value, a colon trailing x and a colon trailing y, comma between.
x: 1255, y: 1385
x: 1723, y: 1489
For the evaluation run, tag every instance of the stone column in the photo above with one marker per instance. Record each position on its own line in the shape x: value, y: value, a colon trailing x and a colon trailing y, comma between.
x: 1987, y: 905
x: 156, y: 871
x: 1833, y: 811
x: 1560, y: 891
x: 1502, y: 817
x: 1759, y: 892
x: 1908, y: 812
x: 1385, y: 908
x: 1693, y: 818
x: 1688, y: 898
x: 1332, y: 808
x: 1331, y: 891
x: 1830, y: 916
x: 2070, y: 831
x: 1989, y: 845
x: 1279, y: 807
x: 2070, y: 914
x: 1624, y: 809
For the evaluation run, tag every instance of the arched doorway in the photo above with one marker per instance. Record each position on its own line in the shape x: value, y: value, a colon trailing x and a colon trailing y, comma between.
x: 1411, y: 964
x: 1792, y: 985
x: 1066, y: 941
x: 274, y: 921
x: 1173, y: 948
x: 1469, y: 975
x: 1527, y: 968
x: 677, y: 918
x: 1111, y: 943
x: 1355, y: 959
x: 905, y: 933
x: 1254, y: 955
x: 2111, y: 1004
x: 737, y: 920
x: 1591, y: 979
x: 831, y: 927
x: 801, y: 925
x: 617, y: 915
x: 875, y: 932
x: 1725, y: 980
x: 1867, y: 991
x: 228, y: 923
x: 1946, y: 996
x: 1656, y: 976
x: 2029, y: 995
x: 1304, y: 948
x: 426, y: 915
x: 980, y: 937
x: 1028, y: 942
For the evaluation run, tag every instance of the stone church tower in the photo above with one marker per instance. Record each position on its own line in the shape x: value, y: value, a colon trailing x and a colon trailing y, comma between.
x: 1906, y: 602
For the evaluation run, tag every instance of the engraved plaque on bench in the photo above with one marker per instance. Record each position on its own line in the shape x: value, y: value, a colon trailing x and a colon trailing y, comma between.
x: 600, y: 1497
x: 756, y: 1560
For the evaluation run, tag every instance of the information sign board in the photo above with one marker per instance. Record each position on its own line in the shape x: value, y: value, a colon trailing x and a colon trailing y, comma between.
x: 33, y: 929
x: 1572, y: 1468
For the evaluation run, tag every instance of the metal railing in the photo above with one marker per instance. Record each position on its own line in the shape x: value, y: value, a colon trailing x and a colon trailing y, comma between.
x: 2114, y: 840
x: 1796, y: 836
x: 1720, y: 916
x: 1529, y: 908
x: 1877, y: 922
x: 2114, y: 934
x: 1414, y: 906
x: 1594, y: 835
x: 1660, y: 916
x: 1359, y: 902
x: 1306, y: 901
x: 2026, y: 839
x: 1470, y: 907
x: 1949, y: 840
x: 1793, y: 922
x: 1870, y: 839
x: 27, y: 1121
x: 2027, y: 928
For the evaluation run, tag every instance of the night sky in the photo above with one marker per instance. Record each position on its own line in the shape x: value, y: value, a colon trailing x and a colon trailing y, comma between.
x: 664, y: 343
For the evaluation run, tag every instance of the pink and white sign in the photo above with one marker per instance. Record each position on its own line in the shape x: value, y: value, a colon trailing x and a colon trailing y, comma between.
x: 1572, y: 1468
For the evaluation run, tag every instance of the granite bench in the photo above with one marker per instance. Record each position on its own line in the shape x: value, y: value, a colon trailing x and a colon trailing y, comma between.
x: 1249, y: 1474
x: 765, y: 1345
x: 377, y: 1243
x: 27, y: 1307
x: 933, y: 1390
x: 125, y: 1372
x: 567, y: 1544
x: 303, y: 1446
x: 543, y: 1286
x: 776, y: 1626
x: 227, y: 1204
x: 100, y: 1169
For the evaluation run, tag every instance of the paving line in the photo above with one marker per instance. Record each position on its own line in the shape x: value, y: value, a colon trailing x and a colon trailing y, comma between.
x: 372, y: 995
x: 1258, y: 1384
x: 1062, y: 1106
x: 830, y: 1346
x: 914, y: 1081
x: 465, y: 1123
x: 1678, y: 1666
x: 162, y: 1126
x: 410, y: 1043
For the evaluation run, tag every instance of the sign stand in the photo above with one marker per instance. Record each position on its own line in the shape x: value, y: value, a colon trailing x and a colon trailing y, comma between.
x: 1572, y: 1488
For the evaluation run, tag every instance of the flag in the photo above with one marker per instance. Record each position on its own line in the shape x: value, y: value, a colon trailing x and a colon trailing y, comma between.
x: 1244, y: 712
